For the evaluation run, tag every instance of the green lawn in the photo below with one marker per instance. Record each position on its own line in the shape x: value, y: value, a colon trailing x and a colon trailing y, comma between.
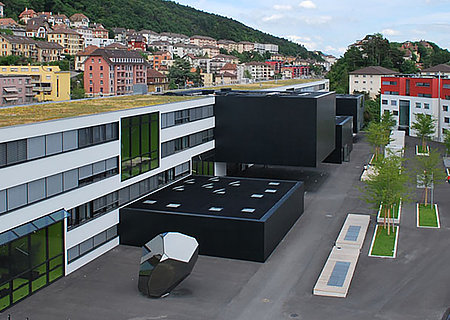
x: 420, y: 149
x: 427, y: 216
x: 384, y: 244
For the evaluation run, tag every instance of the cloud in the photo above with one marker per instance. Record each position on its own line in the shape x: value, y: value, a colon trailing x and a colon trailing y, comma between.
x: 315, y: 20
x: 307, y: 4
x: 390, y: 32
x: 306, y: 41
x: 272, y: 17
x: 282, y: 7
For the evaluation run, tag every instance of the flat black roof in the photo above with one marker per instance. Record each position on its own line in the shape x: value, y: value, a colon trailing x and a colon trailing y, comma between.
x: 348, y: 96
x: 255, y: 93
x: 237, y: 198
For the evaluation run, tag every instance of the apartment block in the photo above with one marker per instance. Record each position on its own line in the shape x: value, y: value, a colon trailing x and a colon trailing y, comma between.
x: 368, y: 80
x: 69, y: 39
x: 16, y: 90
x: 49, y: 82
x: 406, y: 96
x: 114, y: 72
x: 259, y: 70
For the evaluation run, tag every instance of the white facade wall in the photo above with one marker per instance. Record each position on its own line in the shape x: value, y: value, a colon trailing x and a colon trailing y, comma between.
x: 36, y: 169
x: 439, y: 109
x: 365, y: 83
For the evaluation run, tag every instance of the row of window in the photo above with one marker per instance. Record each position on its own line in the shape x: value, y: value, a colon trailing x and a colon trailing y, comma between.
x: 91, y: 244
x: 37, y: 190
x: 425, y: 105
x: 18, y: 151
x: 179, y: 144
x: 174, y: 118
x: 389, y: 83
x: 394, y: 93
x: 422, y: 84
x: 113, y: 200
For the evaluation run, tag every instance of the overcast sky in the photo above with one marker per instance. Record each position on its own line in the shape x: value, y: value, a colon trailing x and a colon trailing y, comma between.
x: 331, y: 25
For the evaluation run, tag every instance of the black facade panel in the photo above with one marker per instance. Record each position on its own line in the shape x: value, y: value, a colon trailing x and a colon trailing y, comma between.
x: 344, y: 140
x: 278, y: 225
x: 276, y: 130
x: 351, y: 105
x: 326, y: 122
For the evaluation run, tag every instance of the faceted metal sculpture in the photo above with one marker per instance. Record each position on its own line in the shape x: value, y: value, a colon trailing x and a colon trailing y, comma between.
x: 166, y: 260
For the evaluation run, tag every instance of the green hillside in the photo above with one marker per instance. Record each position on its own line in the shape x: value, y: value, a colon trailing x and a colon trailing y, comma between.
x: 159, y: 16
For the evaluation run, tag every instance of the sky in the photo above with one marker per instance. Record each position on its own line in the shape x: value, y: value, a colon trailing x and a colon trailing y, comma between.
x: 331, y: 25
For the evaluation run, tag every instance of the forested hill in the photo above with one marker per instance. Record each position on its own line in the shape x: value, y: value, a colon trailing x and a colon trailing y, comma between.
x: 156, y: 15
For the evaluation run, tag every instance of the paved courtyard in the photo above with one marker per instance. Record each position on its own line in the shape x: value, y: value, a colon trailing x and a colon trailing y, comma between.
x: 415, y: 285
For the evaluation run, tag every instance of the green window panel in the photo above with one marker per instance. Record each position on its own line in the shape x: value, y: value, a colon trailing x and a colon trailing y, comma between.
x: 38, y: 248
x: 55, y: 262
x: 21, y: 293
x: 55, y: 274
x: 139, y: 144
x: 55, y: 245
x: 39, y: 283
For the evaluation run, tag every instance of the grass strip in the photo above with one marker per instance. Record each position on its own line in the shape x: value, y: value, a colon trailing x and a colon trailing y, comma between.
x: 427, y: 216
x: 394, y: 211
x: 384, y: 244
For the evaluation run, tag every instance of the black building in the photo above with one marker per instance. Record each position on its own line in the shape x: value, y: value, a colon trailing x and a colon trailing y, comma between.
x: 279, y: 128
x: 351, y: 105
x: 237, y: 218
x: 344, y: 140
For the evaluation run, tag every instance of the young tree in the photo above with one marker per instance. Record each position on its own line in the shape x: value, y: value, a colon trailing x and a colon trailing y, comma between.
x: 387, y: 186
x: 378, y: 136
x: 447, y: 141
x: 424, y: 125
x: 388, y: 121
x: 428, y: 171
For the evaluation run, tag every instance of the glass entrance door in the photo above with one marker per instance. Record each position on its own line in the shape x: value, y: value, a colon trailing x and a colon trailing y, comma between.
x: 404, y: 114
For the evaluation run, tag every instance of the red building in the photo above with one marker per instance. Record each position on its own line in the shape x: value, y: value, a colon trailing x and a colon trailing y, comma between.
x: 295, y: 70
x: 137, y: 43
x: 114, y: 72
x: 426, y: 87
x: 275, y: 64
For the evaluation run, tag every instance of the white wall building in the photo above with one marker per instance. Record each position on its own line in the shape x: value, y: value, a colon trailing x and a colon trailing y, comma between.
x: 368, y: 80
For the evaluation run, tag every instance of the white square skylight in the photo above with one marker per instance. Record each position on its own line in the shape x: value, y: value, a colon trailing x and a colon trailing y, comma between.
x: 215, y: 209
x: 235, y: 184
x: 270, y: 190
x: 173, y: 205
x: 149, y: 201
x: 257, y: 195
x: 179, y: 188
x: 274, y: 183
x: 248, y: 210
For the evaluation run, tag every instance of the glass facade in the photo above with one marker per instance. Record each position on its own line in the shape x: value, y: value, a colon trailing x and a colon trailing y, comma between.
x: 30, y: 262
x: 139, y: 144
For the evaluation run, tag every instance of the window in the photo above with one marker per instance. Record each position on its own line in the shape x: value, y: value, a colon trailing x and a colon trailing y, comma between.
x: 426, y: 106
x: 173, y: 146
x: 418, y: 105
x: 424, y: 95
x: 389, y: 83
x: 384, y: 102
x: 395, y: 113
x: 422, y: 84
x: 90, y: 68
x: 446, y: 119
x: 90, y: 75
x: 446, y: 86
x: 393, y: 102
x: 139, y: 144
x: 444, y: 108
x: 101, y: 67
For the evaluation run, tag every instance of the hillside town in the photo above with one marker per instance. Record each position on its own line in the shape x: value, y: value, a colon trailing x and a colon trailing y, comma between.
x: 138, y: 61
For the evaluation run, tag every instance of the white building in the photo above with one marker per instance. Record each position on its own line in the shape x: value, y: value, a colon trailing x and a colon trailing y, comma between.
x: 99, y: 42
x: 368, y: 80
x: 266, y: 47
